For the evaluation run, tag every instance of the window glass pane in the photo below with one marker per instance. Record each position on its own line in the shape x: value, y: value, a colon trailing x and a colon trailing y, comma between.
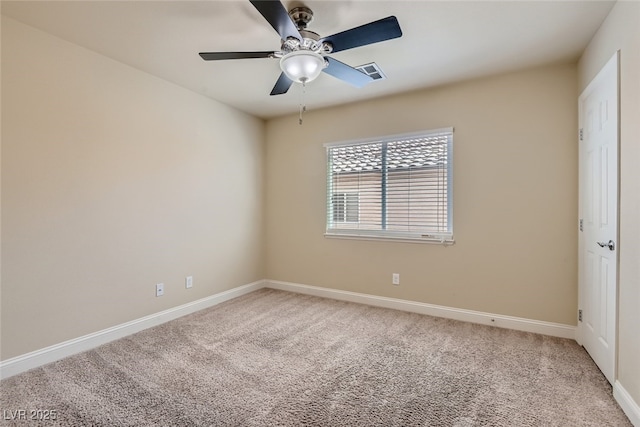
x: 391, y: 187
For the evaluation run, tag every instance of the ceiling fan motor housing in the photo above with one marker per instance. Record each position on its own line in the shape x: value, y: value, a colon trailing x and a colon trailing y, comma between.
x: 301, y: 16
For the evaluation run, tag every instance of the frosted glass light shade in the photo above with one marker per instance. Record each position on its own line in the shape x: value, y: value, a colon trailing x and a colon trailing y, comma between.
x: 302, y: 66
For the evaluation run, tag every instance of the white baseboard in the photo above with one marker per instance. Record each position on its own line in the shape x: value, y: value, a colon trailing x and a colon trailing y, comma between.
x: 59, y: 351
x: 626, y: 402
x: 517, y: 323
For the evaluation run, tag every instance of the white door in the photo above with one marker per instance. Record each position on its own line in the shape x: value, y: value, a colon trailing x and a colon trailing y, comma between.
x: 598, y: 200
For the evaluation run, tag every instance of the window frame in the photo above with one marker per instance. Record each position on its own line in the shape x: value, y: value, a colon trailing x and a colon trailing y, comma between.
x: 444, y: 238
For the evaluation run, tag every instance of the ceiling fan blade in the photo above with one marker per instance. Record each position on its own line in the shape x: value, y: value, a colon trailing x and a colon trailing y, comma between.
x: 347, y: 73
x: 275, y: 13
x: 282, y: 85
x: 373, y: 32
x: 216, y: 56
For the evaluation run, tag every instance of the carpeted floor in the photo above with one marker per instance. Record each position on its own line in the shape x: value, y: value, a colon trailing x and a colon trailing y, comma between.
x: 277, y: 358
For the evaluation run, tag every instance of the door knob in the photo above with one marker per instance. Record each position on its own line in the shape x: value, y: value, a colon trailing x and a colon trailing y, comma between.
x: 609, y: 244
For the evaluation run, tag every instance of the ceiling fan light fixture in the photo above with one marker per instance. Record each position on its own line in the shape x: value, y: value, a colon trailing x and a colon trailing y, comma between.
x: 302, y: 66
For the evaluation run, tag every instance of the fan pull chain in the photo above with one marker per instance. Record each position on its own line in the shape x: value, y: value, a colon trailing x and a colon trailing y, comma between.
x: 303, y: 107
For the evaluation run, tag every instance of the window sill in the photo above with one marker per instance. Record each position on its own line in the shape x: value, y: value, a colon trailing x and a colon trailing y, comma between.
x: 402, y: 239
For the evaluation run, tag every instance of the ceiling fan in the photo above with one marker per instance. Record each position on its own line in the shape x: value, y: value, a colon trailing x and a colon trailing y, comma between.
x: 303, y: 53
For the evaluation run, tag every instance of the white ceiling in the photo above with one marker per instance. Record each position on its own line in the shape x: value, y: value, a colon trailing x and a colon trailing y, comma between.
x: 443, y: 42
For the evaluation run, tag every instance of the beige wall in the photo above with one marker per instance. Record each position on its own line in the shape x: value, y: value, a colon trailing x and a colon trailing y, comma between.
x: 621, y: 31
x: 515, y: 198
x: 114, y: 180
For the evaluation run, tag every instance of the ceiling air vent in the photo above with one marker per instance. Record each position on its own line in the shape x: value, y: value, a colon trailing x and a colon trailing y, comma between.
x: 372, y: 70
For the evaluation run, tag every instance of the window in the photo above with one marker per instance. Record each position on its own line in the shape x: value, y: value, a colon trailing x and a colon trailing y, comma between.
x: 393, y: 187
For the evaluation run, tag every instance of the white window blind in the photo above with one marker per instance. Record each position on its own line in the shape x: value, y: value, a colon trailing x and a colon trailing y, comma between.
x: 392, y: 187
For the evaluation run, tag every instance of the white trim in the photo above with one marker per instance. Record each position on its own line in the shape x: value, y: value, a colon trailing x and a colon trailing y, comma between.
x: 509, y: 322
x: 335, y: 234
x: 64, y: 349
x: 626, y: 402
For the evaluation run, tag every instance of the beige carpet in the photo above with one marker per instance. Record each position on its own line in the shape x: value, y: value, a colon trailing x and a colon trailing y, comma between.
x: 277, y: 358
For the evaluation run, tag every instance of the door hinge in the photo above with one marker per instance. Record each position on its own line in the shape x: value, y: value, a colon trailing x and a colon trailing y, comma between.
x: 579, y: 315
x: 581, y: 225
x: 581, y: 135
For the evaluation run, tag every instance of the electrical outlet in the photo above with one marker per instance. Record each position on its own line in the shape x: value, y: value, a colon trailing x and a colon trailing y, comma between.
x: 188, y: 283
x: 395, y: 279
x: 159, y: 289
